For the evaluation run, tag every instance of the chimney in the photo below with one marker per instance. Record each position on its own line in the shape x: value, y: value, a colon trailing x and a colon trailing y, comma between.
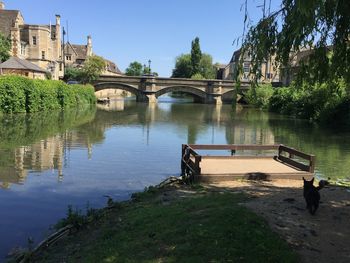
x: 58, y: 47
x: 2, y: 5
x: 89, y: 46
x: 58, y: 20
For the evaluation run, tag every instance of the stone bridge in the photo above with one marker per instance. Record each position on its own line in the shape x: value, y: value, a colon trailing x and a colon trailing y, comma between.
x: 149, y: 88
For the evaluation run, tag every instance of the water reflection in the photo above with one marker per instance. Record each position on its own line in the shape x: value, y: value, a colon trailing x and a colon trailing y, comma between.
x: 25, y: 145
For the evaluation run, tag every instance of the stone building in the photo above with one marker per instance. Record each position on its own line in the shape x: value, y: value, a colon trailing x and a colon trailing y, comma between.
x: 39, y: 44
x: 76, y: 55
x: 270, y: 73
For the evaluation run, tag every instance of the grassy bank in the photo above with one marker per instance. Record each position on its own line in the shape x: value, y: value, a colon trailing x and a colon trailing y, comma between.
x: 172, y: 224
x: 20, y: 95
x: 321, y: 102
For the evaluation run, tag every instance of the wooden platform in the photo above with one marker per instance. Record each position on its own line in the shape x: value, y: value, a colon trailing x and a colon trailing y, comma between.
x: 285, y: 164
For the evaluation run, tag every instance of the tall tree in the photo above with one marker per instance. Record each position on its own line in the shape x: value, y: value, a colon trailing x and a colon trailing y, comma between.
x: 196, y: 55
x: 5, y: 47
x: 183, y: 67
x: 134, y: 69
x: 320, y: 25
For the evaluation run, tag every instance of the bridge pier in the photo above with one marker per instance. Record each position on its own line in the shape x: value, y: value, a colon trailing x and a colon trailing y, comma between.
x: 144, y: 97
x: 152, y: 98
x: 214, y: 99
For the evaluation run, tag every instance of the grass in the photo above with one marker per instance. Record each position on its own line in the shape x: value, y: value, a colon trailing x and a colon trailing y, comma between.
x: 204, y: 226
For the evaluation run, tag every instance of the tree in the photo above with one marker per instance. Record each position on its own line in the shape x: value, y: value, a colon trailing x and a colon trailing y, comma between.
x: 5, y: 47
x: 196, y: 56
x: 206, y: 67
x: 320, y: 25
x: 135, y: 69
x: 183, y: 67
x: 71, y: 73
x: 92, y: 69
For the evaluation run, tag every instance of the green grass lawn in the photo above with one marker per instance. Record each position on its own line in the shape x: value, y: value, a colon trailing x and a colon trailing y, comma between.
x: 202, y: 227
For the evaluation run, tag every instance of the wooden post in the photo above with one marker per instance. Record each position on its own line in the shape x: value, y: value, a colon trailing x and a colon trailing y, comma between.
x: 312, y: 164
x: 198, y: 159
x: 183, y: 167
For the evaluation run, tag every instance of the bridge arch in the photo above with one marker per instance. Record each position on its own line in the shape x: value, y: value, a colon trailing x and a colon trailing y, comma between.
x: 118, y: 85
x: 202, y: 95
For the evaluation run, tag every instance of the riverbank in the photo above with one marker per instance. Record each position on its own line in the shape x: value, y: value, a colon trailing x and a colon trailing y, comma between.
x: 217, y: 222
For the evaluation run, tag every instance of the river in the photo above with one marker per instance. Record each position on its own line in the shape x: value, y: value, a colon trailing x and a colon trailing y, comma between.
x: 51, y: 160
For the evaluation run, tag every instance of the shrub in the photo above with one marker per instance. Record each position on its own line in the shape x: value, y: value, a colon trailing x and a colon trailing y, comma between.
x: 260, y: 97
x: 12, y: 94
x: 19, y: 94
x: 317, y: 102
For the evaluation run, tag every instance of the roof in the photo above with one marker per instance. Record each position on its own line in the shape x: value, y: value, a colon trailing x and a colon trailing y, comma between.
x: 112, y: 67
x: 235, y: 56
x: 17, y: 63
x: 79, y: 50
x: 7, y: 19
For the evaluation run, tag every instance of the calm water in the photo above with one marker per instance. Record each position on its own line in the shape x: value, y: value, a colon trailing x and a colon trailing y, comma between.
x: 53, y: 160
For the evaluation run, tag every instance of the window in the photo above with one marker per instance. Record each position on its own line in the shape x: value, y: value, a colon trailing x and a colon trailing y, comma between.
x: 42, y: 54
x: 69, y: 57
x: 34, y: 40
x: 246, y: 67
x: 23, y: 49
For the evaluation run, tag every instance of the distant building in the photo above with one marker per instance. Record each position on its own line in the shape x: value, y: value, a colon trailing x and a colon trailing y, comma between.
x: 76, y: 55
x: 269, y: 72
x: 220, y: 68
x: 39, y: 44
x: 22, y: 67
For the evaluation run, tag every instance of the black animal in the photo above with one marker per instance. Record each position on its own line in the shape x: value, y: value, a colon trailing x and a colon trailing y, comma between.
x: 311, y: 194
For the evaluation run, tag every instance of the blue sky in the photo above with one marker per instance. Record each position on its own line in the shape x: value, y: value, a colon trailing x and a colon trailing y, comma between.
x: 138, y: 30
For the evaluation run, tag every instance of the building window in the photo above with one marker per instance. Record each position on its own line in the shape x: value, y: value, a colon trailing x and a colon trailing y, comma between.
x: 69, y: 57
x: 246, y: 67
x: 34, y: 40
x: 42, y: 54
x: 60, y: 66
x: 23, y: 49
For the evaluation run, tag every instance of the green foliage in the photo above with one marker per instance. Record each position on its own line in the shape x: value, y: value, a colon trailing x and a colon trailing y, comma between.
x: 12, y: 94
x: 206, y: 67
x: 196, y: 56
x: 197, y: 76
x: 183, y: 67
x: 92, y: 69
x: 315, y: 24
x: 5, y: 47
x: 72, y: 73
x: 19, y: 94
x: 260, y: 97
x: 318, y: 102
x: 134, y: 69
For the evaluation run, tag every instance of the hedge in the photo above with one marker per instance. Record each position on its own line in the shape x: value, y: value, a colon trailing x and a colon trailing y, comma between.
x: 20, y: 94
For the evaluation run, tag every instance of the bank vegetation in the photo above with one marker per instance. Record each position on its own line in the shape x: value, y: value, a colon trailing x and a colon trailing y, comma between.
x: 21, y: 95
x: 326, y: 102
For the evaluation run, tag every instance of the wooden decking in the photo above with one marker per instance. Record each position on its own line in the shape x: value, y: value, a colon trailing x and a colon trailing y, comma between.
x: 285, y: 164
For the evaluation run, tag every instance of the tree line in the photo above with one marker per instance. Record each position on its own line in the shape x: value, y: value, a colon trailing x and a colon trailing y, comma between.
x: 195, y: 65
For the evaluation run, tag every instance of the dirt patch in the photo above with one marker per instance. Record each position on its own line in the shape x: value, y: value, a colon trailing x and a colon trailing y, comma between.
x: 324, y: 237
